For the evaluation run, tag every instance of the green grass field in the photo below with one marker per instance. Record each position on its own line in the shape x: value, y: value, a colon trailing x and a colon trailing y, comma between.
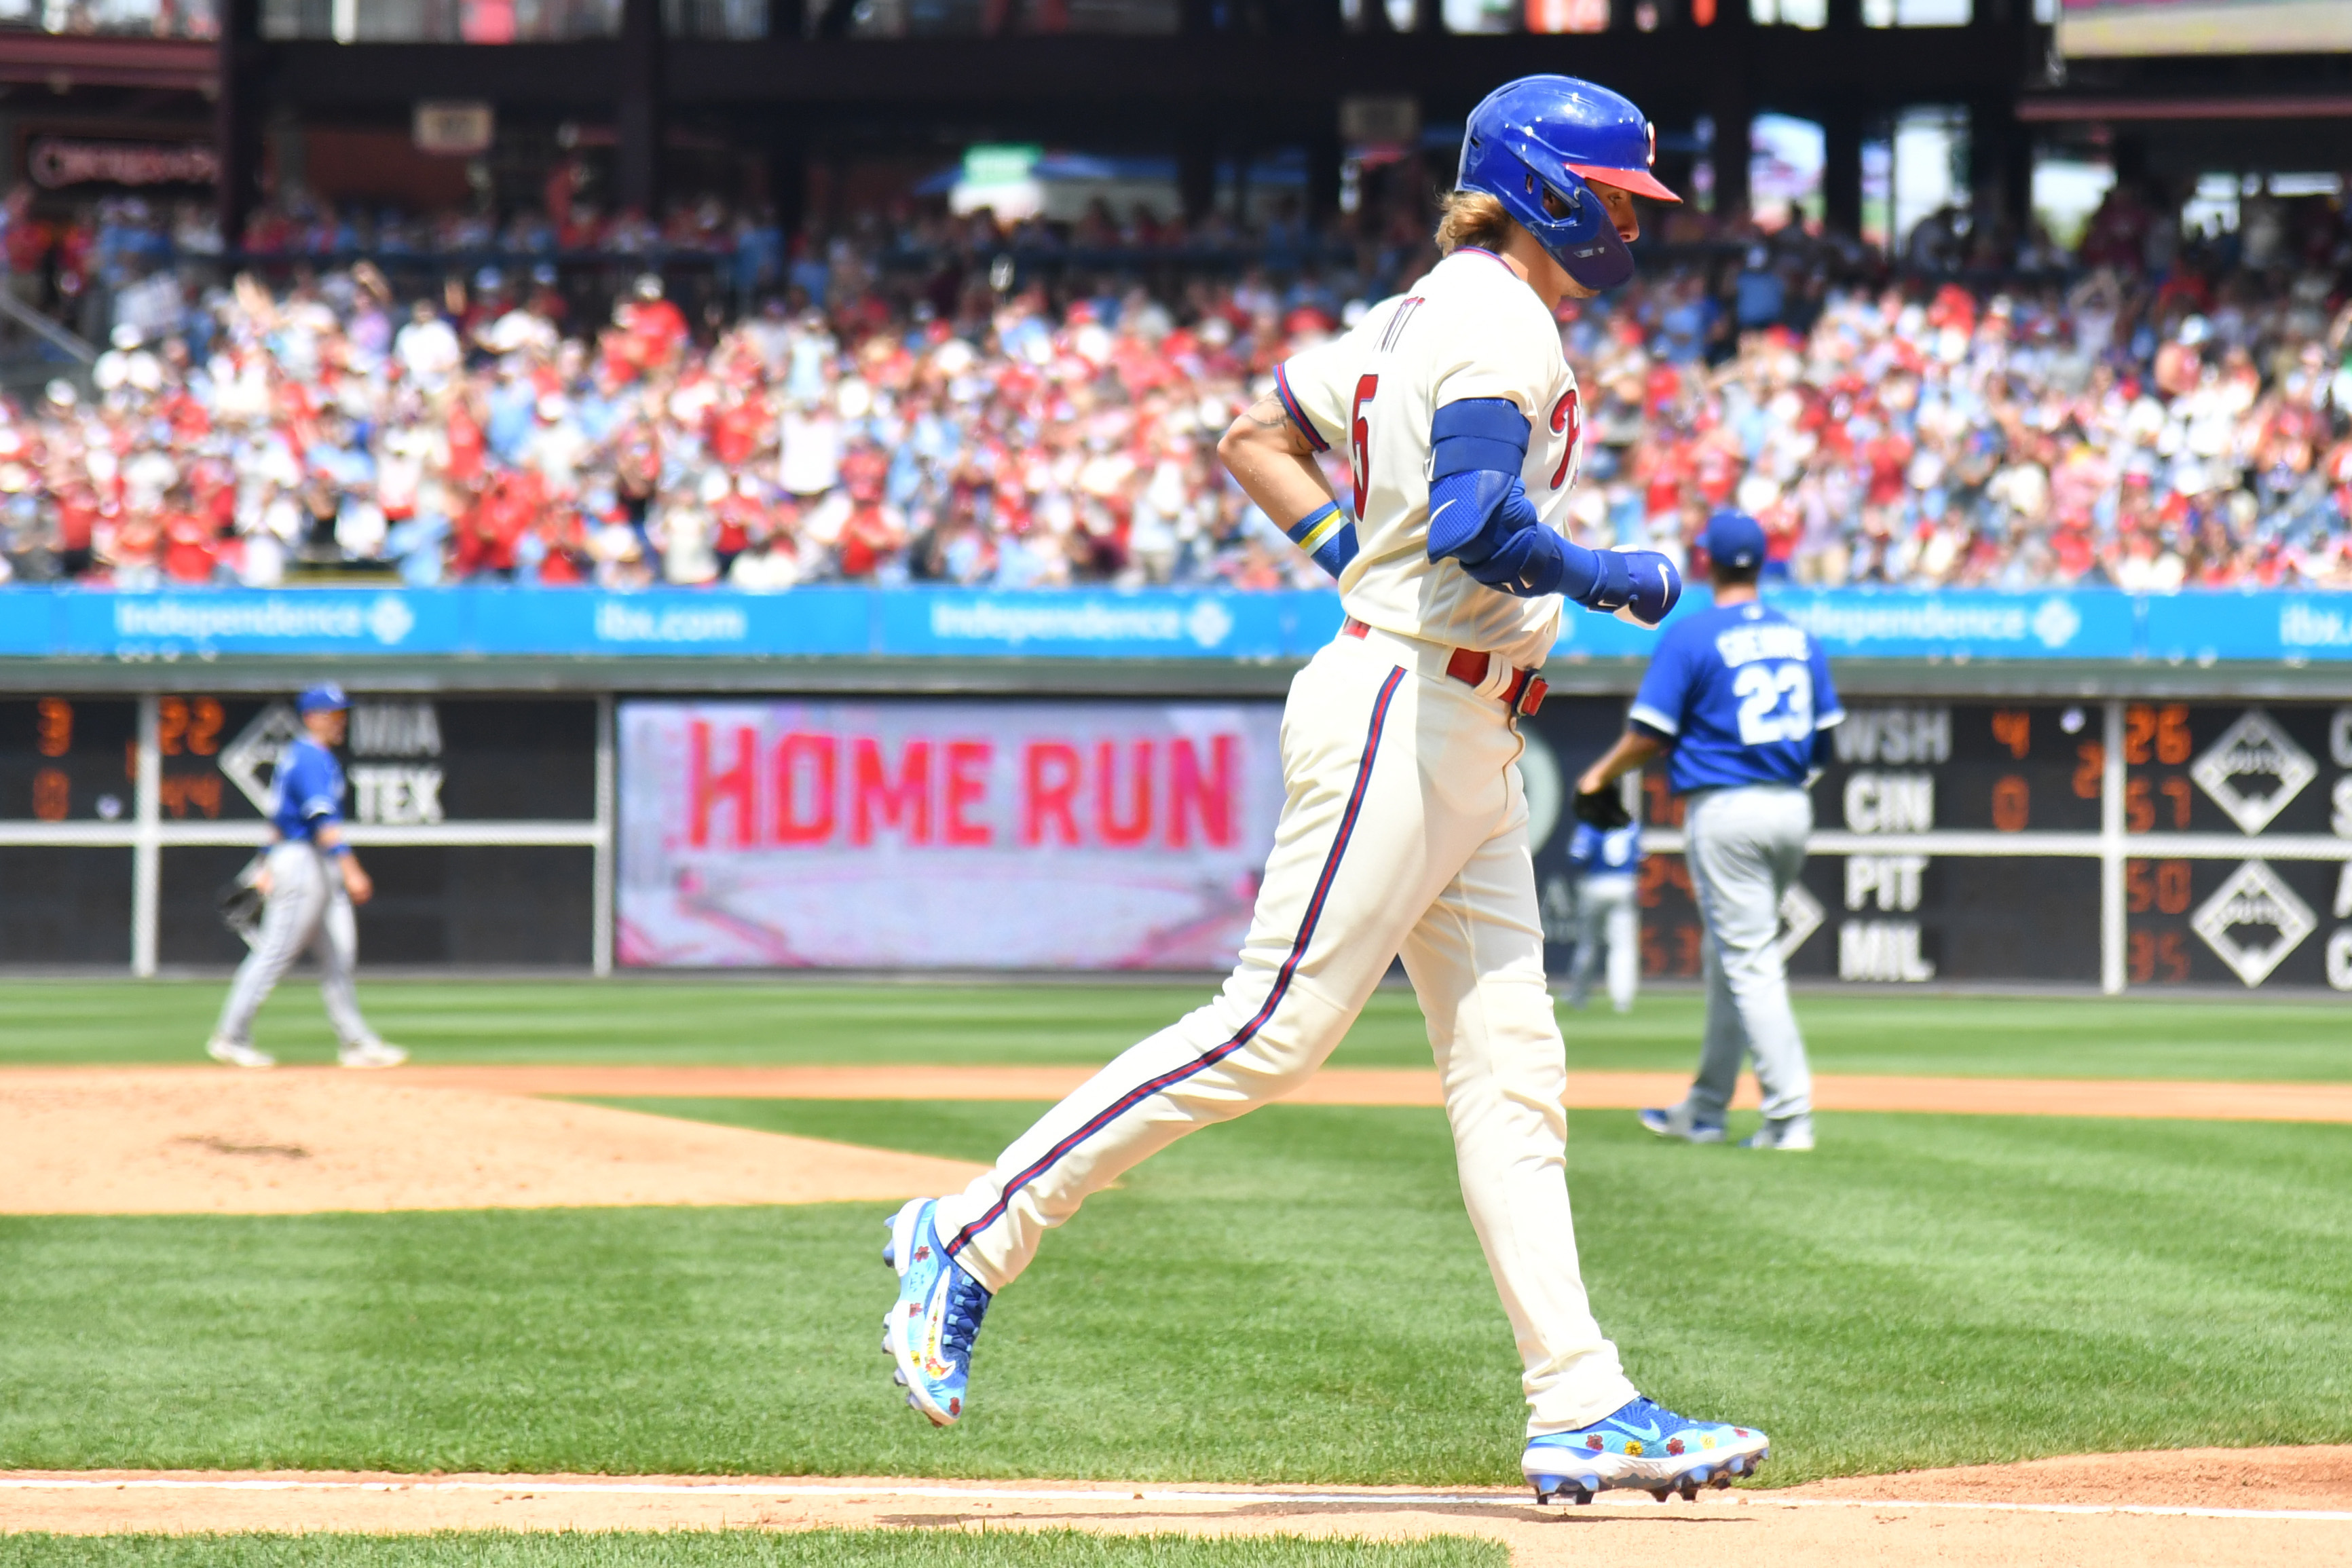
x: 666, y: 1020
x: 1292, y: 1296
x: 744, y: 1549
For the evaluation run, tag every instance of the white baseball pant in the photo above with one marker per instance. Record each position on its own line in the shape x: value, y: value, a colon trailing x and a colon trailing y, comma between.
x: 307, y: 907
x: 1404, y: 830
x: 1745, y: 846
x: 1607, y: 912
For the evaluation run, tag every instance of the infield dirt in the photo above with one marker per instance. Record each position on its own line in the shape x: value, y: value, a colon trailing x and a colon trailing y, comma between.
x: 166, y: 1140
x: 305, y: 1140
x: 2217, y: 1507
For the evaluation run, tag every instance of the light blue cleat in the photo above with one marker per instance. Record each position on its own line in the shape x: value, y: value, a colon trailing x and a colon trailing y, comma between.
x: 930, y: 1333
x: 1676, y: 1121
x: 1642, y: 1446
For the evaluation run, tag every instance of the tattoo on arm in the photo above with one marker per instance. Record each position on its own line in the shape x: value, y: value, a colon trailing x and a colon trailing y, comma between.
x: 1270, y: 425
x: 1267, y: 413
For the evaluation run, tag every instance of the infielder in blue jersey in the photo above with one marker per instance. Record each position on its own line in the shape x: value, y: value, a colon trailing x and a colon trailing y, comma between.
x: 1607, y: 915
x: 1404, y: 822
x: 310, y: 879
x: 1741, y: 696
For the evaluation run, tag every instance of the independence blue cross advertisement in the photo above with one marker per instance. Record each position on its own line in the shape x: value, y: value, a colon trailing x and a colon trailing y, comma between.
x: 916, y: 623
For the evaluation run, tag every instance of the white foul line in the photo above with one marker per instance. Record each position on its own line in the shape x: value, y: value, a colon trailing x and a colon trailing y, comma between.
x: 1122, y: 1494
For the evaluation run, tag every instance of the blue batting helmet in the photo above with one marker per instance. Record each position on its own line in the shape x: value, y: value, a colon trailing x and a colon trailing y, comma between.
x: 1538, y: 143
x: 323, y: 697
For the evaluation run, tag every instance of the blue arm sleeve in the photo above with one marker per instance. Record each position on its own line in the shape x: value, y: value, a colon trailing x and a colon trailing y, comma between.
x: 1480, y: 515
x: 1476, y: 447
x: 1460, y: 506
x: 1478, y: 432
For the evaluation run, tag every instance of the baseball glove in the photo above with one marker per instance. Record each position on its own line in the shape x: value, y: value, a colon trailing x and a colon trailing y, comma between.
x: 1604, y: 808
x: 240, y: 902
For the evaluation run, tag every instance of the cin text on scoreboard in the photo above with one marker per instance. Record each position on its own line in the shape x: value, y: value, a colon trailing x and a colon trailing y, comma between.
x: 2128, y: 844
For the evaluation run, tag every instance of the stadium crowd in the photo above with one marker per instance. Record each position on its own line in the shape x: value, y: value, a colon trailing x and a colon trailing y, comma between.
x: 2150, y: 418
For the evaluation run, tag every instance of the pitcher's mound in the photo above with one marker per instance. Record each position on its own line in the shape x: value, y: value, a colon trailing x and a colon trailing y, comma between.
x: 299, y: 1141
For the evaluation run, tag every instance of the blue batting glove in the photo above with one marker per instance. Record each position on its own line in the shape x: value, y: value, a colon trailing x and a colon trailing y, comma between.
x: 1638, y: 587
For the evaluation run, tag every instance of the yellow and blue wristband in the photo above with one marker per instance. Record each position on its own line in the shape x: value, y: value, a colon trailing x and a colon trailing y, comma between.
x: 1329, y: 535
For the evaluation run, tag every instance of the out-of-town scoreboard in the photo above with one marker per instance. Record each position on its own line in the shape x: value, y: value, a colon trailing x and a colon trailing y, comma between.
x: 120, y: 816
x: 2129, y: 844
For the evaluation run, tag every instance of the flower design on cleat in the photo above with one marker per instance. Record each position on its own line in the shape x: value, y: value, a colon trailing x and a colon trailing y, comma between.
x: 1646, y: 1446
x: 930, y: 1340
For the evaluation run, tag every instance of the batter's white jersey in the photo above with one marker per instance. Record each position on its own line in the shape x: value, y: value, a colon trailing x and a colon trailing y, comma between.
x: 1470, y: 328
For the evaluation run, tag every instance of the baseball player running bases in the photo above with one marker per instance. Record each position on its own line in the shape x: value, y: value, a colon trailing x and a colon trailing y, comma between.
x: 1741, y: 695
x: 309, y: 880
x: 1404, y: 828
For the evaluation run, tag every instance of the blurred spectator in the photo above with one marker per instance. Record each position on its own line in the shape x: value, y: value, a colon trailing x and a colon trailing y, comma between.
x: 2162, y: 420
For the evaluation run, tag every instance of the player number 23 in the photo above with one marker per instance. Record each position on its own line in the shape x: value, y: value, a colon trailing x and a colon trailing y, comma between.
x: 1776, y: 703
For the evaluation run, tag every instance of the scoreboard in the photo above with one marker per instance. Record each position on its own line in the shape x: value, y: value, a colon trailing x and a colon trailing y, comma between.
x: 2125, y: 845
x: 426, y: 777
x: 411, y: 762
x: 68, y: 772
x: 66, y: 759
x: 2111, y: 843
x: 2239, y: 822
x: 479, y: 818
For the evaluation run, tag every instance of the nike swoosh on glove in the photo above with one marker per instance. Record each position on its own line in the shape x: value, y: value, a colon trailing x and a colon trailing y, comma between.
x: 1638, y: 587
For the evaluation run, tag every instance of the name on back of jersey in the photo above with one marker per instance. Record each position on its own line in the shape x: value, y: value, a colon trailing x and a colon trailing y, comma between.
x: 1763, y: 639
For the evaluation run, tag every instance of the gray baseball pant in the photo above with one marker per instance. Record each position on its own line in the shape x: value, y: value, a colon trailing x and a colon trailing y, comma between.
x: 1606, y: 910
x: 1744, y: 847
x: 307, y: 908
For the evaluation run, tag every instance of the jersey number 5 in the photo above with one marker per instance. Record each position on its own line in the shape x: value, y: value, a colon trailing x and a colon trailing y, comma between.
x: 1776, y: 703
x: 1359, y: 439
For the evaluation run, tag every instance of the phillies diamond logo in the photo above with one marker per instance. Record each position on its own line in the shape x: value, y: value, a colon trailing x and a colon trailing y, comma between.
x: 2241, y: 908
x: 1801, y: 917
x: 2253, y: 749
x: 251, y: 760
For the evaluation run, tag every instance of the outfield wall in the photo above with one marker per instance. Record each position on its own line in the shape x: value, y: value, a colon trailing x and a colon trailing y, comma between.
x: 1992, y: 817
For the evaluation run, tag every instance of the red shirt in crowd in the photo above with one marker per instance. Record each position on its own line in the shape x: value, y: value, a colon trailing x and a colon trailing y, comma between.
x: 188, y: 548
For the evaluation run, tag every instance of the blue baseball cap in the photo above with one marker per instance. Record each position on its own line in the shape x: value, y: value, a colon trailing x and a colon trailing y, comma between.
x: 1733, y: 539
x: 324, y: 697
